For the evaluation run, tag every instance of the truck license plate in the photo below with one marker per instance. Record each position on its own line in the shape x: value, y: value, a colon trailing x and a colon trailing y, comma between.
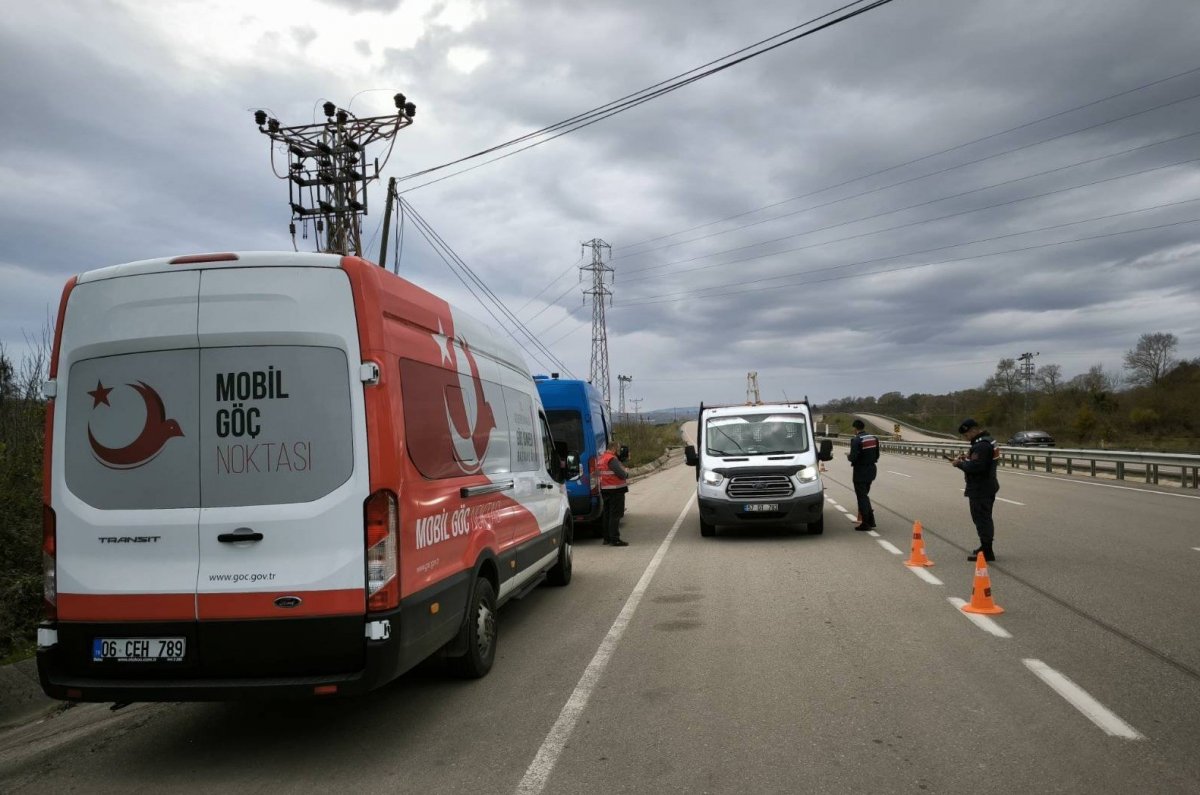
x: 138, y: 649
x: 762, y: 507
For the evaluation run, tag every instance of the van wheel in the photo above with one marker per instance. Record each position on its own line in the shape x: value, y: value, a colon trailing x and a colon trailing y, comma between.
x: 707, y: 530
x: 481, y: 633
x: 560, y: 574
x: 817, y: 527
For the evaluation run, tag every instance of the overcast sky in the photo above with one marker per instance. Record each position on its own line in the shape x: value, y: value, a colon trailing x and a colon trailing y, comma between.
x: 128, y: 134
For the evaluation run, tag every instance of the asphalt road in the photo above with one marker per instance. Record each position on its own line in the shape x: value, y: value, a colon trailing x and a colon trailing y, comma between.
x: 756, y: 661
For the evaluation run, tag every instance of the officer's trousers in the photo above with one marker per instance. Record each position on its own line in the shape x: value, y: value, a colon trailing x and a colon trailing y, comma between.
x: 981, y: 515
x: 614, y: 509
x: 865, y: 511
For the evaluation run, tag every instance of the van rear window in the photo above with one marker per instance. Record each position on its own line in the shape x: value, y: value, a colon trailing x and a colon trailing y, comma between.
x: 566, y: 425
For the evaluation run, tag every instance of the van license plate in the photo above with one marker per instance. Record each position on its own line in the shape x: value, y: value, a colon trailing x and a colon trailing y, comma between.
x: 138, y: 649
x: 762, y: 507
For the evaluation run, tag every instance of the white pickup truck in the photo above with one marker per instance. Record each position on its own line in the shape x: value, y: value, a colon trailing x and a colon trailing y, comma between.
x: 759, y: 464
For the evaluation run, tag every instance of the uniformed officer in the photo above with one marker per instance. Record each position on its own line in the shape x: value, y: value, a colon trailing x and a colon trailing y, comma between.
x: 979, y: 469
x: 613, y: 485
x: 864, y: 452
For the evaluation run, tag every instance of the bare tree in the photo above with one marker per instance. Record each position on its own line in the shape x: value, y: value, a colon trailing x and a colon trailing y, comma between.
x: 1151, y: 359
x: 1006, y: 380
x: 1095, y: 381
x: 1049, y: 378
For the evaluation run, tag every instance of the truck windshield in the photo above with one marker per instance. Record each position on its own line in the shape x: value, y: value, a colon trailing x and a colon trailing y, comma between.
x: 757, y: 434
x: 566, y: 425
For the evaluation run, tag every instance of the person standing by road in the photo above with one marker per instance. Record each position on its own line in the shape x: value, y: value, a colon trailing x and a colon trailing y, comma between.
x: 864, y: 452
x: 978, y: 466
x: 614, y: 482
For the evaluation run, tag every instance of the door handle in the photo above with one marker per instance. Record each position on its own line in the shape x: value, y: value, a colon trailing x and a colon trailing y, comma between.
x: 546, y: 485
x: 241, y: 534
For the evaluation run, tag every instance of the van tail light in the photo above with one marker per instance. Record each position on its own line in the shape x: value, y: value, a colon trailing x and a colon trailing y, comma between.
x: 382, y: 519
x: 593, y: 480
x: 49, y: 564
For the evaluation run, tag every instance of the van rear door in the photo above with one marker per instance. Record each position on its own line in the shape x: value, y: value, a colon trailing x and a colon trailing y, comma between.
x: 283, y: 473
x: 124, y: 487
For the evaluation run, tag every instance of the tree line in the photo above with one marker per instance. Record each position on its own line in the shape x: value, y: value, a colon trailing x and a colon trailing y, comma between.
x: 1153, y: 402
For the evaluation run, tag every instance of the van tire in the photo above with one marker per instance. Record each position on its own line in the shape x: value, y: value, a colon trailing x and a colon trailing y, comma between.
x: 818, y: 527
x: 560, y: 573
x: 481, y: 633
x: 707, y: 530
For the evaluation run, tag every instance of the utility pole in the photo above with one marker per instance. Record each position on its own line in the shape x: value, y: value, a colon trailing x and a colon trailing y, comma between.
x: 1026, y: 360
x: 327, y: 170
x: 622, y: 380
x: 602, y: 276
x: 637, y: 407
x: 752, y: 396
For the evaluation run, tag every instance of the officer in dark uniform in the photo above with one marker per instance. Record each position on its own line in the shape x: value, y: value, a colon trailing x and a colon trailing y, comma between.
x: 979, y: 469
x: 864, y: 452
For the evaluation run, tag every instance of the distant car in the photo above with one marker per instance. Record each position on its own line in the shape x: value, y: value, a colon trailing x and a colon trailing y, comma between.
x: 1031, y: 439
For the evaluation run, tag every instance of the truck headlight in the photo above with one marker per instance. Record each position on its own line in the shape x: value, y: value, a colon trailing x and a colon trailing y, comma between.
x: 807, y: 474
x: 711, y: 478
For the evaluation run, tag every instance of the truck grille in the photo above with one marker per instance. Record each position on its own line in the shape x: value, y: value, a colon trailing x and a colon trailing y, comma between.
x: 759, y: 487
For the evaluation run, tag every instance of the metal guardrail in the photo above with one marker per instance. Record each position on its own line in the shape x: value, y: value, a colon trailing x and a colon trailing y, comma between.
x: 1154, y: 468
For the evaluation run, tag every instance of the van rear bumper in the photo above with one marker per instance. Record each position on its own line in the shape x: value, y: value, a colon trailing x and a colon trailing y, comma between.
x: 585, y: 507
x: 64, y: 678
x: 796, y: 511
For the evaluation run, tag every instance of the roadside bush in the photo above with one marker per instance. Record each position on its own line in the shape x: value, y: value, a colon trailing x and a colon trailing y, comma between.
x: 646, y: 442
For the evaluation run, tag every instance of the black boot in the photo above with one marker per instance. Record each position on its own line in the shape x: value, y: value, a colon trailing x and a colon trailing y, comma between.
x: 988, y: 555
x: 974, y: 553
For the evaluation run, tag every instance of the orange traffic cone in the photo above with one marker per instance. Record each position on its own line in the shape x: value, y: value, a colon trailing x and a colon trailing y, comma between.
x: 981, y: 592
x: 917, y: 558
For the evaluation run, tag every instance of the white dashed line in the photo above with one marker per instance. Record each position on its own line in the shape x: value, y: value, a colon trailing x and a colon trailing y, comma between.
x: 979, y: 620
x: 1104, y: 485
x: 542, y: 766
x: 1196, y: 548
x: 1081, y: 700
x: 889, y: 546
x: 924, y: 574
x: 1010, y: 502
x: 872, y: 534
x: 851, y: 518
x: 840, y: 508
x: 901, y: 474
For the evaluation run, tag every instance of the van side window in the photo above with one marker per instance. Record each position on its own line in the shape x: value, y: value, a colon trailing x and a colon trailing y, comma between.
x: 547, y: 446
x: 524, y: 434
x: 453, y: 427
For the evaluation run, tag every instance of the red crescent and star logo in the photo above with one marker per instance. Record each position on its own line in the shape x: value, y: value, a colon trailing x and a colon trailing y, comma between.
x: 471, y: 420
x: 154, y: 435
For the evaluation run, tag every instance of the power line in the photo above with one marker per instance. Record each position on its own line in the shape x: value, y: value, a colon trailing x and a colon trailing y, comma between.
x: 441, y: 245
x: 911, y: 162
x: 680, y: 296
x: 557, y: 278
x: 911, y: 224
x: 916, y: 178
x: 602, y: 112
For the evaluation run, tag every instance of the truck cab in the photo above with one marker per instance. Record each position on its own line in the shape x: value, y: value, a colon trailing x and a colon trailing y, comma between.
x: 759, y: 464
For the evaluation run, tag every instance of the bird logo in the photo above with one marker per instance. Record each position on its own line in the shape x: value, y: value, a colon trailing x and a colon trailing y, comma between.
x: 155, y: 434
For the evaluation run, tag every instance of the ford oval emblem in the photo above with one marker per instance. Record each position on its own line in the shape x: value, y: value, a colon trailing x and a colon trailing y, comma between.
x: 288, y: 601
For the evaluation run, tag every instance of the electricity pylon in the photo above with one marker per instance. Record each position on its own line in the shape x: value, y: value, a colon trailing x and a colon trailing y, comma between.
x: 602, y: 276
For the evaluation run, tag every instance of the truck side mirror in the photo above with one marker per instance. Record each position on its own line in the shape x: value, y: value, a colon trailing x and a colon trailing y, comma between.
x: 826, y: 453
x: 689, y: 455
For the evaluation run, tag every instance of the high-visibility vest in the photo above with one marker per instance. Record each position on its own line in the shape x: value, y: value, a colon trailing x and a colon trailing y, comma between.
x: 608, y: 478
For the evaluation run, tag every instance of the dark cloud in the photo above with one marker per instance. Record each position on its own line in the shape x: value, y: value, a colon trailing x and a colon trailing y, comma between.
x: 915, y: 279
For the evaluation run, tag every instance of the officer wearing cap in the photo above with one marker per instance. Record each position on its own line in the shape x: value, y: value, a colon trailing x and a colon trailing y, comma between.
x: 978, y: 466
x: 864, y: 452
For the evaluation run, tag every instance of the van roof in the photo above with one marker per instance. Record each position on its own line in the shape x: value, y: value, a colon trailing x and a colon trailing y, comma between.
x: 238, y: 259
x: 761, y: 408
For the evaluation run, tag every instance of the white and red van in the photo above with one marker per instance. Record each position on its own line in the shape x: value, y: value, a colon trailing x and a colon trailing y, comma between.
x: 277, y: 474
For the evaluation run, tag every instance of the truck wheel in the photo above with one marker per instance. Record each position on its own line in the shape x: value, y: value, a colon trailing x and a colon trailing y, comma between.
x: 560, y: 574
x: 480, y: 629
x: 817, y: 527
x: 707, y: 529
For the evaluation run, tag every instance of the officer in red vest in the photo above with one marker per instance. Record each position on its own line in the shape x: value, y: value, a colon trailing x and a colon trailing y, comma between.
x: 613, y: 485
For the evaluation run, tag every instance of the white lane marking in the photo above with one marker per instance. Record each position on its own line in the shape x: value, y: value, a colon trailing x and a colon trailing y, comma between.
x: 924, y: 574
x: 1196, y: 548
x: 539, y: 770
x: 1104, y: 485
x: 840, y: 508
x: 1010, y: 502
x: 831, y: 500
x: 1081, y: 700
x: 901, y: 474
x: 851, y: 518
x: 889, y: 546
x: 873, y: 534
x: 983, y: 622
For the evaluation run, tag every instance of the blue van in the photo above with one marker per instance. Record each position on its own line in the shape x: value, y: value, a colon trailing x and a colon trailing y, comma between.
x: 578, y: 416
